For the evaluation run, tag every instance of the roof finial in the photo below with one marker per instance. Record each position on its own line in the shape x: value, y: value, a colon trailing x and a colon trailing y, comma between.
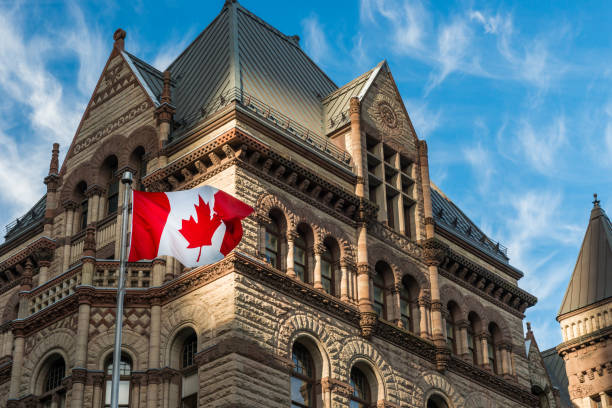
x: 595, y: 201
x: 54, y: 165
x: 165, y: 96
x: 528, y: 326
x: 119, y: 38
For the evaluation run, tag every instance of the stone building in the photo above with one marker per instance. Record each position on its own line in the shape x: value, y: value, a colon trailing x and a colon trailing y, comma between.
x: 357, y: 283
x: 585, y: 317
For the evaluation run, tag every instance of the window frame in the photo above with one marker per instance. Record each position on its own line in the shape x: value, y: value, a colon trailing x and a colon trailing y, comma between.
x: 309, y: 379
x: 367, y: 400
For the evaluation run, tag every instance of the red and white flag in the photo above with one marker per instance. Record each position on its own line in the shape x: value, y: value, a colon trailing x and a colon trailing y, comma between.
x: 197, y: 227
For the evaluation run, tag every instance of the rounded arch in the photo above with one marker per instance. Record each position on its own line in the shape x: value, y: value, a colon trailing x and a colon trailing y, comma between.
x: 302, y: 325
x: 177, y: 338
x: 135, y: 345
x: 437, y: 400
x: 194, y: 313
x: 317, y: 351
x: 82, y: 173
x: 433, y: 383
x: 107, y: 358
x: 474, y: 306
x: 144, y: 136
x: 267, y: 202
x: 478, y: 399
x: 355, y: 349
x: 493, y: 316
x: 42, y: 368
x: 331, y: 231
x: 111, y: 146
x: 61, y: 341
x: 450, y: 294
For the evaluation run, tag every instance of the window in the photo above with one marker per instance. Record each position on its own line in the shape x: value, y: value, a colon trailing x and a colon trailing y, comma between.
x: 379, y: 295
x: 113, y: 197
x: 360, y: 398
x: 405, y: 309
x: 302, y: 378
x: 470, y: 344
x: 327, y: 272
x: 84, y: 206
x: 189, y: 350
x: 55, y: 375
x: 272, y: 253
x: 436, y: 401
x: 300, y: 265
x: 491, y: 356
x: 125, y: 372
x: 495, y: 338
x: 450, y: 335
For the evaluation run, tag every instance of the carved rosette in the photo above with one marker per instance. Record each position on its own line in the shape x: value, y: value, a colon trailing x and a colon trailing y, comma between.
x: 367, y: 322
x: 434, y: 252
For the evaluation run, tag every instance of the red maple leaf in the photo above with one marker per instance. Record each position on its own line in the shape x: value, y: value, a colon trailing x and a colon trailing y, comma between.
x: 199, y: 233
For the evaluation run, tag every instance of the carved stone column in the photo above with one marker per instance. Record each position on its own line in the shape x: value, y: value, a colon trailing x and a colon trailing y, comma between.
x: 344, y: 280
x: 483, y: 339
x: 397, y: 308
x: 69, y: 214
x: 97, y: 380
x: 89, y: 256
x: 154, y: 339
x: 16, y: 369
x: 43, y: 271
x: 368, y: 316
x: 291, y: 236
x: 423, y: 303
x: 79, y: 377
x: 318, y: 251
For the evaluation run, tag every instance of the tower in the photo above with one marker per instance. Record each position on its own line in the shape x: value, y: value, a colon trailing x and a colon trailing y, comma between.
x: 585, y: 317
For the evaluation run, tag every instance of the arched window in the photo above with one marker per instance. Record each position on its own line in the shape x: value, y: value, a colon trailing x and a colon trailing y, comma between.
x: 302, y: 378
x: 273, y: 240
x: 543, y: 403
x: 301, y: 255
x: 409, y: 293
x: 495, y: 338
x: 329, y: 266
x: 451, y: 326
x: 182, y: 358
x: 472, y: 329
x: 362, y: 393
x: 55, y: 374
x: 383, y: 279
x: 125, y: 373
x: 83, y: 204
x: 436, y: 401
x: 138, y: 162
x: 109, y: 172
x: 50, y: 383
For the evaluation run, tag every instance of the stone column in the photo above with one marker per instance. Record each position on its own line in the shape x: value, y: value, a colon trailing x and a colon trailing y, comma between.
x: 423, y: 324
x: 135, y: 392
x: 98, y: 383
x: 344, y: 280
x: 604, y: 400
x: 164, y: 114
x: 159, y: 269
x: 461, y: 336
x: 43, y: 271
x: 17, y: 366
x: 80, y: 355
x: 397, y: 307
x: 154, y: 339
x: 69, y: 213
x: 7, y: 345
x: 89, y: 256
x: 318, y: 251
x: 291, y: 236
x: 55, y: 400
x: 484, y: 351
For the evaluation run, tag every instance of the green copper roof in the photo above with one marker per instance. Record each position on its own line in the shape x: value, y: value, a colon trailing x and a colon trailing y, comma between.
x: 591, y: 281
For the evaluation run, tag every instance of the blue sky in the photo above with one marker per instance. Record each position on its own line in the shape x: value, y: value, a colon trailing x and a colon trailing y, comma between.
x: 514, y: 99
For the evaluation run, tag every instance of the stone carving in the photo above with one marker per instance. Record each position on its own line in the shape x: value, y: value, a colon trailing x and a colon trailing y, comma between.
x: 111, y: 126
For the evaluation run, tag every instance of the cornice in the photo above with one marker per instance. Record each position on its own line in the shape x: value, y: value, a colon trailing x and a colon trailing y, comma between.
x: 584, y: 341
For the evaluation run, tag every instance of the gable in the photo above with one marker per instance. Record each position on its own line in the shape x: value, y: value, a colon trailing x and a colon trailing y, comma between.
x: 119, y: 104
x: 385, y: 116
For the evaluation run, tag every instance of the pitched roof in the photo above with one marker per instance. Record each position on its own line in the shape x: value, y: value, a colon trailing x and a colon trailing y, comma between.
x: 555, y: 366
x: 240, y: 53
x: 28, y: 220
x: 336, y: 104
x: 449, y: 217
x: 151, y: 78
x: 591, y: 281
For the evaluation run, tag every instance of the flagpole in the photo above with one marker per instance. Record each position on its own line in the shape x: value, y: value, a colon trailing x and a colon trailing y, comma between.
x: 126, y: 179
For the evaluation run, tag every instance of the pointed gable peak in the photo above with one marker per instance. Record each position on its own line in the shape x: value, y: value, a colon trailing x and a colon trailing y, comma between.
x: 591, y: 281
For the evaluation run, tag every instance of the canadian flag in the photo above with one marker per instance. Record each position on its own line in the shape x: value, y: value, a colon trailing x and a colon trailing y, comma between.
x: 197, y: 227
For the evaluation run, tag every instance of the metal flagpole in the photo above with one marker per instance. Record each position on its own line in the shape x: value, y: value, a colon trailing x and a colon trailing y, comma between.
x: 126, y: 179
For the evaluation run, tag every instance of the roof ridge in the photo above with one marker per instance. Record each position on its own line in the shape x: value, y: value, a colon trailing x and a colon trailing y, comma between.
x: 195, y: 40
x: 146, y: 65
x: 284, y: 37
x: 346, y: 86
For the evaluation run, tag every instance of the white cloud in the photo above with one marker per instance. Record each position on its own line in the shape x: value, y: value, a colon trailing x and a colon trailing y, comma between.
x: 31, y: 93
x: 481, y: 161
x: 168, y: 52
x: 541, y: 146
x: 424, y: 119
x: 315, y: 41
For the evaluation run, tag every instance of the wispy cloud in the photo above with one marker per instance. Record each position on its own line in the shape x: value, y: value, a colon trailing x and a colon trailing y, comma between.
x: 169, y: 51
x: 315, y: 41
x: 540, y: 146
x: 424, y: 119
x: 481, y: 161
x: 37, y: 97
